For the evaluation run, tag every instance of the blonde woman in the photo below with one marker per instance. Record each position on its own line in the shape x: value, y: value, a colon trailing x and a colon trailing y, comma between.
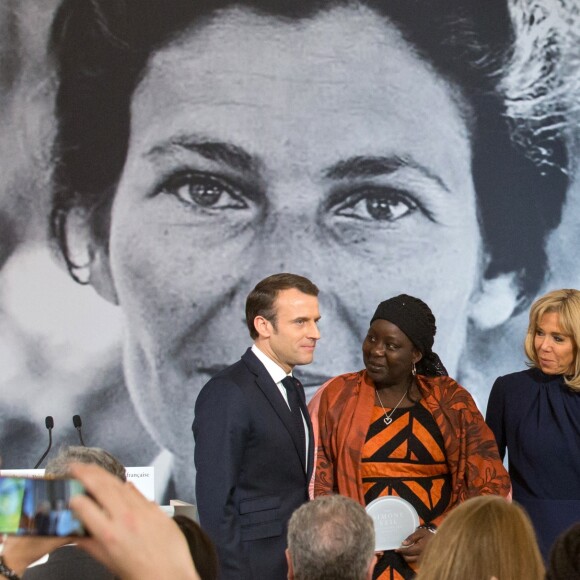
x: 485, y: 537
x: 535, y: 415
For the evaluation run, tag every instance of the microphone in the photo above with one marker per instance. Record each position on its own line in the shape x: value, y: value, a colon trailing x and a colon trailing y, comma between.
x: 49, y: 423
x: 78, y: 426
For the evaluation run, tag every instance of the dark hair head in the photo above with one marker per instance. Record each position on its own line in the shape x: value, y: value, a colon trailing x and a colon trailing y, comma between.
x: 261, y: 300
x: 102, y: 48
x: 201, y: 548
x: 416, y: 320
x: 565, y: 555
x: 412, y: 316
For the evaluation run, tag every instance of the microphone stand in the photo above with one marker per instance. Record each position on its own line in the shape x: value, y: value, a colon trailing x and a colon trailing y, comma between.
x: 49, y: 424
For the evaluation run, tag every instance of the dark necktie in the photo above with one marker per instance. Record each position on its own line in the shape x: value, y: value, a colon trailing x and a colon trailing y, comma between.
x: 293, y: 387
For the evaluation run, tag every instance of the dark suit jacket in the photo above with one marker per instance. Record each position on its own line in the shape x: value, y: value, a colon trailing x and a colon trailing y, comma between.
x: 250, y: 475
x: 69, y: 563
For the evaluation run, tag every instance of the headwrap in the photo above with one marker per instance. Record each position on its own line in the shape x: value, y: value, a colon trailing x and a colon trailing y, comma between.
x: 416, y: 320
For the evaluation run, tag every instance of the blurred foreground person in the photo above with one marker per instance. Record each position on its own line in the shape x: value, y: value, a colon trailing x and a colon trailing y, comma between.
x: 331, y: 537
x: 201, y: 547
x: 68, y: 562
x: 59, y: 466
x: 129, y: 534
x: 18, y: 552
x: 484, y: 537
x: 565, y: 555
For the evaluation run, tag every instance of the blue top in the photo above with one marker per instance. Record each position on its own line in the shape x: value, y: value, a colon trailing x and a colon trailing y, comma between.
x: 537, y: 418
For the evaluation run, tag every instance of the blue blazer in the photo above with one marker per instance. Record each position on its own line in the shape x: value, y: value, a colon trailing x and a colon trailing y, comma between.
x: 250, y: 475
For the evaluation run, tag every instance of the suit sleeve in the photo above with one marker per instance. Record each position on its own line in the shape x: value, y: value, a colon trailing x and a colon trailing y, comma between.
x: 221, y: 429
x: 494, y: 416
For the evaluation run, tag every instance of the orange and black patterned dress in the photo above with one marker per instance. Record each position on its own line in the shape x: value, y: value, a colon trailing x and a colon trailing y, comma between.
x: 446, y: 465
x: 405, y: 458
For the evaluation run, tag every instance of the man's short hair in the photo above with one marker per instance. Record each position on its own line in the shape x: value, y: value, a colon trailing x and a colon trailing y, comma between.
x: 60, y: 465
x: 262, y: 299
x: 331, y: 537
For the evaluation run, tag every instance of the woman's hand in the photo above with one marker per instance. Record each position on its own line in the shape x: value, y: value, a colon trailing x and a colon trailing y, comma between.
x: 412, y: 546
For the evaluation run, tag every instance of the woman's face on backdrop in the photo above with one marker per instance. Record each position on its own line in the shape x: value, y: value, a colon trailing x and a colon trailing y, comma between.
x: 323, y: 147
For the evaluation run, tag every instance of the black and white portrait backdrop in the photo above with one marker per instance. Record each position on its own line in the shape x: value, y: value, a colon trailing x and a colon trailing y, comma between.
x: 159, y: 157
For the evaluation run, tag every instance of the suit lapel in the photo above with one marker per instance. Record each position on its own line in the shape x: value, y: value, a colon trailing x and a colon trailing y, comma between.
x: 272, y: 393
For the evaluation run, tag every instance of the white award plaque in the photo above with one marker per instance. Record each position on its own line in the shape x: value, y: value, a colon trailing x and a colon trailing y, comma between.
x: 394, y: 518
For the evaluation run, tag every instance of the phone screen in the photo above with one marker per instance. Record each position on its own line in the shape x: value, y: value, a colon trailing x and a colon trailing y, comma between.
x: 38, y: 507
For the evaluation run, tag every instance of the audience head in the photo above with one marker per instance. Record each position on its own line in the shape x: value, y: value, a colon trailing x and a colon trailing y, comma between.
x: 203, y: 552
x: 484, y: 537
x: 331, y: 537
x: 565, y: 555
x: 60, y: 465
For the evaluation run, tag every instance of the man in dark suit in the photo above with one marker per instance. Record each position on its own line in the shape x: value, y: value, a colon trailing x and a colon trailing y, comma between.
x: 254, y: 446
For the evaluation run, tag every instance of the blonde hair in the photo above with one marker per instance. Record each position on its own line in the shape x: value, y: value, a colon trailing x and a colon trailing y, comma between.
x: 566, y: 303
x: 485, y: 536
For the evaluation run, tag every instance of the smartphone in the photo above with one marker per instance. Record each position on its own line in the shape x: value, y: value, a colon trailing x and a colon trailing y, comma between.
x: 39, y: 506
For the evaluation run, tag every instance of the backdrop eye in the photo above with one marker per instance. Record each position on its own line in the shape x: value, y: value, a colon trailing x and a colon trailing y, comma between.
x: 387, y: 209
x: 381, y: 206
x: 204, y: 191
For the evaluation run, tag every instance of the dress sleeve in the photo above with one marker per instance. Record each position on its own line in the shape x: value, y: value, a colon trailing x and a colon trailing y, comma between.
x: 495, y: 413
x: 472, y: 453
x: 484, y: 472
x: 478, y: 468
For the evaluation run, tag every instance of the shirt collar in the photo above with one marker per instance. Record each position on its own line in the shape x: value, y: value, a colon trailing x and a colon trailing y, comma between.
x: 274, y: 369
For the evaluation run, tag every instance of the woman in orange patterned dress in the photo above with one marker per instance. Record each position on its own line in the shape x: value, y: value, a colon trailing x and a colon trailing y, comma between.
x: 403, y: 427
